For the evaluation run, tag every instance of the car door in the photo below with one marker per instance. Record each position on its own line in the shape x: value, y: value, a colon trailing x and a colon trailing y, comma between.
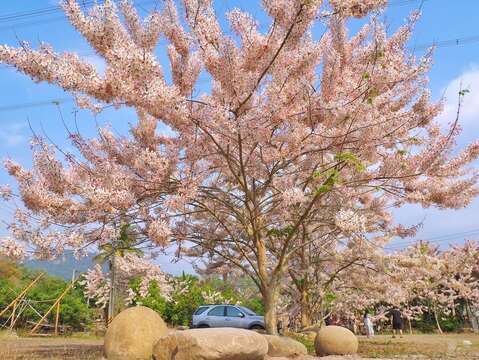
x: 216, y: 317
x: 234, y: 317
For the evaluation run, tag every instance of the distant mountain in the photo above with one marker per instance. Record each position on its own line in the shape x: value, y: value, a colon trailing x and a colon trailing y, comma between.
x: 64, y: 266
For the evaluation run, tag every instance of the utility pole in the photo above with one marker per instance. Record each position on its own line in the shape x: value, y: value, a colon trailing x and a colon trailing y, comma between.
x: 111, y: 302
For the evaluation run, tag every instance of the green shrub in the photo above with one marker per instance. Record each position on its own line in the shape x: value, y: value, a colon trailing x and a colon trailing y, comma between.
x: 74, y: 311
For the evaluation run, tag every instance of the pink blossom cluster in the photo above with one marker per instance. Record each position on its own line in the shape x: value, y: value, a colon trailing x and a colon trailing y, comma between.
x: 349, y: 221
x: 5, y: 192
x: 12, y: 249
x: 97, y: 284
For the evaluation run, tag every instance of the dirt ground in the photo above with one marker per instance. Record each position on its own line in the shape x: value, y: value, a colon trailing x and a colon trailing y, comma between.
x: 423, y: 346
x: 50, y: 348
x: 454, y: 346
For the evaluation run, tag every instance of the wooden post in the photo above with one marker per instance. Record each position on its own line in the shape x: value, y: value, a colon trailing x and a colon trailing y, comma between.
x: 52, y: 307
x: 57, y: 318
x: 12, y: 321
x: 24, y: 291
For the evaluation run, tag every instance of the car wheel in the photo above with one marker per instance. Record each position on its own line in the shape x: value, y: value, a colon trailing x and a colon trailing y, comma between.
x: 258, y: 328
x: 203, y: 326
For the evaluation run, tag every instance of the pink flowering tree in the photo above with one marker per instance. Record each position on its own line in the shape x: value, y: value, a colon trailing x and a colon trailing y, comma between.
x: 294, y: 130
x: 461, y: 267
x: 81, y: 201
x: 98, y: 285
x: 321, y: 273
x: 88, y: 199
x: 427, y: 279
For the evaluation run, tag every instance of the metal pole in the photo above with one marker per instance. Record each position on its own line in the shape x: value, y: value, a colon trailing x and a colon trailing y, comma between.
x: 111, y: 303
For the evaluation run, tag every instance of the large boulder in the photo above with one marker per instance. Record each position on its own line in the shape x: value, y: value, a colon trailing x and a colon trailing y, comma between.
x: 284, y: 346
x: 133, y: 333
x: 211, y: 344
x: 335, y: 340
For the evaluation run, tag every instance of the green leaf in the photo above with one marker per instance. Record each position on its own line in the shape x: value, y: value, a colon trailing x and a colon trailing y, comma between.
x: 350, y: 158
x: 365, y: 75
x: 329, y: 297
x: 371, y: 95
x: 277, y: 232
x: 323, y: 189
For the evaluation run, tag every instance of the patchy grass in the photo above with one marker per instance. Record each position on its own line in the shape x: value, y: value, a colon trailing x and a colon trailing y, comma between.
x: 448, y: 346
x: 306, y: 340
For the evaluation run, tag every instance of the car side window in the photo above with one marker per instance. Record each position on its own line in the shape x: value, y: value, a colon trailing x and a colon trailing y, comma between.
x: 217, y: 311
x: 233, y: 312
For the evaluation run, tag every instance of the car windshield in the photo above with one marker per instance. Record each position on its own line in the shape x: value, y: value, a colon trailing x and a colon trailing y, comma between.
x: 247, y: 311
x: 200, y: 310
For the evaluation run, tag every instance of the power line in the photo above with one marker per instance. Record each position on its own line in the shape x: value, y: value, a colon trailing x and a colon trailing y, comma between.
x: 449, y: 235
x: 448, y: 43
x: 51, y: 10
x: 404, y: 2
x: 32, y: 23
x: 28, y: 14
x: 39, y: 13
x: 435, y: 239
x: 35, y: 104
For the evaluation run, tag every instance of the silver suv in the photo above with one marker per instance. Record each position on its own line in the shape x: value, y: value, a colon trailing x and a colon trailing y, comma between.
x: 227, y: 316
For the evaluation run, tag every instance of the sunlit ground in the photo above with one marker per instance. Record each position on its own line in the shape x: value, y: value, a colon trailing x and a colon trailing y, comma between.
x: 449, y: 346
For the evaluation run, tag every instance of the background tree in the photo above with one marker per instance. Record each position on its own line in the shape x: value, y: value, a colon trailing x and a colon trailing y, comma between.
x: 125, y: 244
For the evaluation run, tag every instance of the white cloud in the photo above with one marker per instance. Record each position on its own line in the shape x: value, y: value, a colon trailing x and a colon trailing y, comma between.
x: 469, y: 115
x: 13, y: 135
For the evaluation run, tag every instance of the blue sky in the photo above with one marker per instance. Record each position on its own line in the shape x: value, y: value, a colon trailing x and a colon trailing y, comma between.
x: 441, y: 20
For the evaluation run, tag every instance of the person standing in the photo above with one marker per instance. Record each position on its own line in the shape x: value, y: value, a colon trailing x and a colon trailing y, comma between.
x: 368, y: 324
x: 396, y: 319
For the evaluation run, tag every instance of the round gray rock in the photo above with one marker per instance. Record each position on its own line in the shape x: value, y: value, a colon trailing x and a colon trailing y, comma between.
x: 133, y: 333
x: 335, y: 340
x: 211, y: 344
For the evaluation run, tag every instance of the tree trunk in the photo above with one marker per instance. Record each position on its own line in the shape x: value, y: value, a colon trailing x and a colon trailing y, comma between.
x: 473, y: 319
x: 305, y: 312
x: 270, y: 299
x: 437, y: 322
x: 410, y: 326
